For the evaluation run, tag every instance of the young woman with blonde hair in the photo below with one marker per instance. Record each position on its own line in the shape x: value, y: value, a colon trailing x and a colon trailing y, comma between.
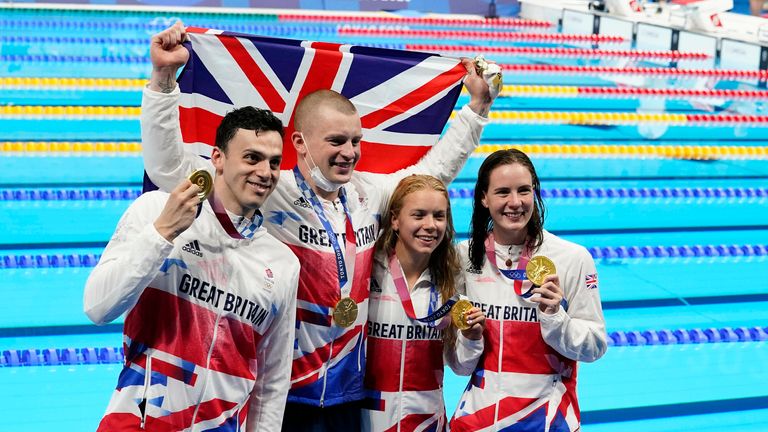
x: 414, y: 273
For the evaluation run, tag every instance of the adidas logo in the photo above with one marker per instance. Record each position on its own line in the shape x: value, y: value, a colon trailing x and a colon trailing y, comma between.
x: 302, y: 202
x: 471, y: 269
x: 375, y: 286
x: 193, y: 247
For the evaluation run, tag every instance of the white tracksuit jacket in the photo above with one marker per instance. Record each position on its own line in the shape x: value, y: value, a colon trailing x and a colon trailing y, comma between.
x: 209, y: 332
x: 404, y: 377
x: 527, y: 374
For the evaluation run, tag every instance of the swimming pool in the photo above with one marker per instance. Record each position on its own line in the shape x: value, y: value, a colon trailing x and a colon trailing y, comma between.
x: 677, y: 224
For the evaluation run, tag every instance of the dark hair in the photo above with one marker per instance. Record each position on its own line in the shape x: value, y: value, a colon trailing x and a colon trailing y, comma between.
x: 481, y: 216
x: 249, y: 118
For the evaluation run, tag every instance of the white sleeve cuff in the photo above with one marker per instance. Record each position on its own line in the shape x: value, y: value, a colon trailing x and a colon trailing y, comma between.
x: 470, y: 345
x: 148, y: 92
x: 472, y: 116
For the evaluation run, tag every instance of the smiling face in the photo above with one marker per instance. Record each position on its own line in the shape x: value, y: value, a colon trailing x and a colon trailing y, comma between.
x: 327, y: 136
x: 248, y: 170
x: 332, y: 141
x: 420, y: 224
x: 510, y: 201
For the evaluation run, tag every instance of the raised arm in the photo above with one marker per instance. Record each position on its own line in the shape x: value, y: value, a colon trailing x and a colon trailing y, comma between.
x: 275, y: 352
x: 449, y: 155
x: 165, y: 159
x: 167, y: 56
x: 446, y: 158
x: 142, y: 241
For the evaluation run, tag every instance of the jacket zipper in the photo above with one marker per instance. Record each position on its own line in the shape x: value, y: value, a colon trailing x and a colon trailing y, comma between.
x: 400, y: 388
x: 147, y: 382
x: 325, y: 376
x: 361, y: 353
x: 501, y: 355
x: 207, y: 369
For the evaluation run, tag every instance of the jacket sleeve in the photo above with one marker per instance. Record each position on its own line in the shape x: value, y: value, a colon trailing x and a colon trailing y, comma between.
x: 578, y: 333
x: 275, y: 356
x: 444, y: 160
x: 167, y: 161
x: 463, y: 358
x: 128, y: 264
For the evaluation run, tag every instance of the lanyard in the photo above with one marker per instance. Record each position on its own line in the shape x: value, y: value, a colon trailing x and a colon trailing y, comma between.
x: 221, y: 214
x: 341, y: 265
x: 517, y: 275
x: 405, y: 297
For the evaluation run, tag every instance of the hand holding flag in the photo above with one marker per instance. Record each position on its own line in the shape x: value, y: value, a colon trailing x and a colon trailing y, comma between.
x: 167, y: 55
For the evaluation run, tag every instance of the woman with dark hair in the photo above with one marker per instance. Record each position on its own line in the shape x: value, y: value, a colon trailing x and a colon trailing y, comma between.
x: 414, y: 274
x: 534, y: 334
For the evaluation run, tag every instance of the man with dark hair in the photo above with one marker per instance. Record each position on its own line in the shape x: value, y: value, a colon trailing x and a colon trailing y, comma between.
x: 249, y: 118
x: 210, y: 296
x: 327, y: 213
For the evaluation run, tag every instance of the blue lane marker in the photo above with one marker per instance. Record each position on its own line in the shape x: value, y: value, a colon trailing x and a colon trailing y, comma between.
x: 113, y: 355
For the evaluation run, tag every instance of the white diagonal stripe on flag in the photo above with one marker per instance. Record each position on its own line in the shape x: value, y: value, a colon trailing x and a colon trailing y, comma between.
x: 341, y: 74
x: 265, y: 68
x: 402, y: 84
x: 227, y: 73
x: 415, y: 109
x: 197, y: 100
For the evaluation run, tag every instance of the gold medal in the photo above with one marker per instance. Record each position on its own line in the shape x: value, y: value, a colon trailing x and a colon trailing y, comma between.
x: 480, y: 65
x: 538, y: 268
x: 204, y: 181
x: 492, y: 76
x: 491, y: 73
x: 458, y: 314
x: 345, y: 312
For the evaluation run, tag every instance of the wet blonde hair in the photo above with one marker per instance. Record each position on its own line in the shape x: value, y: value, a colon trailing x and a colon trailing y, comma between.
x: 444, y: 261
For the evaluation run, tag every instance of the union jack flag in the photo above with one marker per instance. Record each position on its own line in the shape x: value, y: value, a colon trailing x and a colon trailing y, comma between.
x: 591, y: 280
x: 404, y: 98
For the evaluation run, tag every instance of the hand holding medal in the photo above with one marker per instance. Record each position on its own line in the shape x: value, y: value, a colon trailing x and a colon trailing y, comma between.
x: 469, y: 319
x: 542, y: 273
x: 179, y: 211
x: 204, y: 181
x: 538, y: 268
x: 459, y: 312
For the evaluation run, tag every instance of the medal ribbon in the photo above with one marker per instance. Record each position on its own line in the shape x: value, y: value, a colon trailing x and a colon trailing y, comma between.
x: 341, y: 267
x: 405, y: 297
x: 226, y: 222
x: 517, y: 275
